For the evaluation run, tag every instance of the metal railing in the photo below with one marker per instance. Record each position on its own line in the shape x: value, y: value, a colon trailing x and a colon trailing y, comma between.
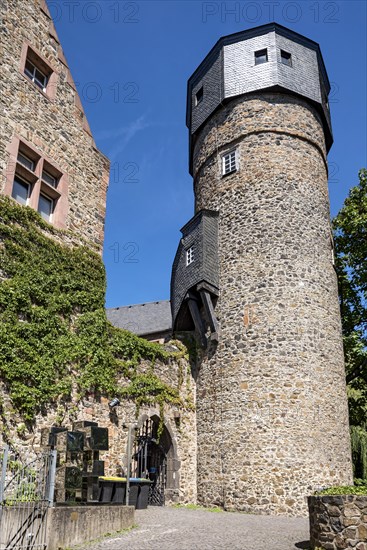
x: 26, y: 492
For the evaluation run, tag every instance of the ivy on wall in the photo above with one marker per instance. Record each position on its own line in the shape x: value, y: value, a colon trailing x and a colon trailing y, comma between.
x: 54, y: 335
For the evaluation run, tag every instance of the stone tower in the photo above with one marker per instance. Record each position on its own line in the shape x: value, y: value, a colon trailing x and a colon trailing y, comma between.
x: 254, y: 276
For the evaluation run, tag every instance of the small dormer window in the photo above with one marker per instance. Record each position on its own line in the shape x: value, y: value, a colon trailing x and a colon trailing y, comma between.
x: 199, y: 96
x: 189, y: 255
x: 286, y: 58
x: 261, y: 56
x: 229, y: 163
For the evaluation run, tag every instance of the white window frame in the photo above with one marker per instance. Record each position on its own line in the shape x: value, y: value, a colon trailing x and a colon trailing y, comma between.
x: 16, y: 177
x: 229, y: 162
x: 32, y: 75
x: 27, y: 159
x: 52, y: 206
x: 48, y: 175
x: 190, y: 256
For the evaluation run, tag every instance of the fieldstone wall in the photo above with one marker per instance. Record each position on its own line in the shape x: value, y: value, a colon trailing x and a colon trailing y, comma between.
x: 272, y: 411
x: 53, y: 123
x: 338, y: 522
x: 180, y: 423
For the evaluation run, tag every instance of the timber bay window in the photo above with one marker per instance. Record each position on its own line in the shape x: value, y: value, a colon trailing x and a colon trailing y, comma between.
x: 36, y: 182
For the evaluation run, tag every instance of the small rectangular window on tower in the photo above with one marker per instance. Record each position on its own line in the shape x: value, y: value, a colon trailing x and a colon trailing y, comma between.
x: 286, y: 58
x: 261, y: 56
x: 199, y: 96
x: 189, y: 255
x: 229, y: 163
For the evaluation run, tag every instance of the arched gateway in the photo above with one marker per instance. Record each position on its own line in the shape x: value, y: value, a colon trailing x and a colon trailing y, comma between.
x: 156, y: 457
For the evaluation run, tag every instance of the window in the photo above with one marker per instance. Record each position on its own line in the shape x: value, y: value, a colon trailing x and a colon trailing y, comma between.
x: 36, y: 75
x: 20, y: 191
x: 189, y: 255
x: 286, y: 58
x: 45, y: 207
x: 38, y: 70
x: 199, y: 96
x: 261, y: 56
x: 49, y: 179
x: 25, y: 161
x: 229, y: 163
x: 34, y: 181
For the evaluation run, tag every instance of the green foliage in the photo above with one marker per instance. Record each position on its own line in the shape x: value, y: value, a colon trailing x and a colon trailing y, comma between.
x: 350, y: 237
x: 54, y: 334
x: 346, y: 490
x: 359, y: 451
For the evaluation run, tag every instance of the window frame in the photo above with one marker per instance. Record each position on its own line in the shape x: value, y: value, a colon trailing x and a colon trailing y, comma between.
x: 51, y: 176
x: 23, y: 181
x: 232, y: 159
x: 198, y: 99
x: 51, y: 200
x: 257, y: 56
x: 31, y: 161
x: 33, y: 77
x: 58, y: 195
x: 286, y: 58
x: 189, y: 255
x: 30, y: 55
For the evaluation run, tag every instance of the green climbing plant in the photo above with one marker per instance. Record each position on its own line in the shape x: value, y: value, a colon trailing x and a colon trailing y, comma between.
x: 54, y: 334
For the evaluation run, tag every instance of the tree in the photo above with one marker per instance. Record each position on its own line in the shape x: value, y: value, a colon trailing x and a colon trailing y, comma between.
x: 350, y: 237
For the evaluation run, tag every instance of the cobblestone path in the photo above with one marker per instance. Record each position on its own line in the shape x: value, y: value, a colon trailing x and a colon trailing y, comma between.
x: 182, y: 529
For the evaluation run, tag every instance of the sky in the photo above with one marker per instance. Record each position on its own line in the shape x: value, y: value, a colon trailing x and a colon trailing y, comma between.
x: 131, y: 61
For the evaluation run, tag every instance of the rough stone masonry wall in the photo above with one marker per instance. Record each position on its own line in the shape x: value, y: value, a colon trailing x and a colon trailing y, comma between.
x: 272, y: 413
x: 338, y: 522
x: 55, y: 127
x: 179, y: 421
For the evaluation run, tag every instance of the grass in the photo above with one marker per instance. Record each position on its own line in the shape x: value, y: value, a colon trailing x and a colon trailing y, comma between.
x: 198, y: 507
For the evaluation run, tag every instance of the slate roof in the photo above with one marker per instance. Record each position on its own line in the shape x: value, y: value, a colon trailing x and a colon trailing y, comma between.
x: 142, y: 319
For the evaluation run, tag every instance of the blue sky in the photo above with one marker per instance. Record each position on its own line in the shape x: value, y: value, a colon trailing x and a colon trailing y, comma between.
x: 131, y: 61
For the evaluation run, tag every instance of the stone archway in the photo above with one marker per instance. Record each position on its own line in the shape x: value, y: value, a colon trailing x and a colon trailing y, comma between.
x: 157, y: 459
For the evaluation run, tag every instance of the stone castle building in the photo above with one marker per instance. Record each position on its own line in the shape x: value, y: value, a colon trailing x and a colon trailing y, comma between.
x: 50, y: 161
x: 253, y: 278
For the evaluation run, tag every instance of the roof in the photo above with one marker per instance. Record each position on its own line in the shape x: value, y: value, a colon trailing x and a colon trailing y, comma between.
x: 244, y: 35
x: 142, y: 319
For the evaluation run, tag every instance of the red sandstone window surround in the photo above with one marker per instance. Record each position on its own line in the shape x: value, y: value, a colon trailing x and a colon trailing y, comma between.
x: 38, y: 71
x: 34, y: 180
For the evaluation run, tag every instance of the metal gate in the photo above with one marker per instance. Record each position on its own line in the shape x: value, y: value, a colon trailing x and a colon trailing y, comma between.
x: 26, y: 492
x: 150, y: 461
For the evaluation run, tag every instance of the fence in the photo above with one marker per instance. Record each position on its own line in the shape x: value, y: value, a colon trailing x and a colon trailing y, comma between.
x: 26, y: 492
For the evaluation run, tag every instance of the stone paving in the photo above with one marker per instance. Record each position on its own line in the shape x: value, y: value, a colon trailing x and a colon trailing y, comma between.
x: 184, y: 529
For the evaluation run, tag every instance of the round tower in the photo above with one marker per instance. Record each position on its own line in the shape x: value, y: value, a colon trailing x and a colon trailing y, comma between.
x: 272, y: 413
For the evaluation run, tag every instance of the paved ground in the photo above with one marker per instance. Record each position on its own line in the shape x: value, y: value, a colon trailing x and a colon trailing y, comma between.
x: 182, y: 529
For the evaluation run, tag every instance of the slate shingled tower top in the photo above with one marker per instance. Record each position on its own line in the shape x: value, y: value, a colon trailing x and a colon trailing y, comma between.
x: 272, y: 417
x: 290, y: 62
